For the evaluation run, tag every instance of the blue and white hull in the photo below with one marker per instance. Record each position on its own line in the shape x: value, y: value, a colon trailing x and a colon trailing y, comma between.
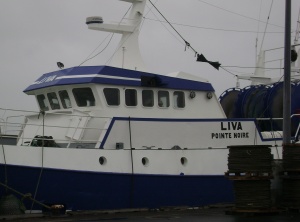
x: 82, y: 183
x: 80, y: 190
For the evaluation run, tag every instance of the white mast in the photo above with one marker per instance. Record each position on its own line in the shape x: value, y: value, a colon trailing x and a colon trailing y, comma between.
x: 127, y: 54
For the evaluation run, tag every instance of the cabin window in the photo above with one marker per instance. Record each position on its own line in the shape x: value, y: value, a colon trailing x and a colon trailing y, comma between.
x: 163, y: 99
x: 112, y: 96
x: 84, y: 97
x: 130, y: 97
x: 179, y: 101
x: 65, y: 99
x: 53, y: 100
x: 148, y: 98
x: 42, y: 102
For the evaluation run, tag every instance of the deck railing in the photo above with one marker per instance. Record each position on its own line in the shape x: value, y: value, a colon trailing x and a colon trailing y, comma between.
x: 14, y: 125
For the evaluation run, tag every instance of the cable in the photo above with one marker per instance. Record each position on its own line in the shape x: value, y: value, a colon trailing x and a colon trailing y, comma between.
x: 214, y: 29
x: 228, y: 71
x: 89, y: 58
x: 162, y: 23
x: 245, y: 67
x: 42, y: 167
x: 262, y: 42
x: 101, y: 50
x: 5, y: 164
x: 188, y: 45
x: 120, y: 45
x: 235, y: 13
x: 258, y: 26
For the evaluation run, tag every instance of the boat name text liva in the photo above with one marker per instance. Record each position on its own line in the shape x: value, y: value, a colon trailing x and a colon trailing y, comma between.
x: 111, y: 137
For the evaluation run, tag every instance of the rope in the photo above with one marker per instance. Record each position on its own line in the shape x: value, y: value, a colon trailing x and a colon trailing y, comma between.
x: 89, y: 58
x: 42, y: 167
x: 112, y: 35
x: 5, y: 165
x: 121, y: 44
x: 132, y: 169
x: 258, y: 26
x: 187, y: 44
x: 266, y: 26
x: 24, y: 195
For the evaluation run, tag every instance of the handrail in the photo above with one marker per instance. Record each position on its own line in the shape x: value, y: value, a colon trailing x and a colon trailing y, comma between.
x: 19, y: 126
x: 277, y: 118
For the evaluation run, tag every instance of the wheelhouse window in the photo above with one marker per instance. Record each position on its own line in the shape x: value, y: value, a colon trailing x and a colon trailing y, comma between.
x: 179, y: 101
x: 84, y: 97
x: 163, y: 99
x: 112, y: 96
x: 53, y: 100
x: 65, y: 99
x: 148, y: 98
x: 130, y: 97
x: 43, y: 103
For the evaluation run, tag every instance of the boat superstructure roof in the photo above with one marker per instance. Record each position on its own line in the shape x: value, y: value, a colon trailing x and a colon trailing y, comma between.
x: 118, y: 76
x: 127, y: 67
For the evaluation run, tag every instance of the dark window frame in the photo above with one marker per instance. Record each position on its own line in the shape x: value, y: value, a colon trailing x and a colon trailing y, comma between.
x: 84, y: 97
x: 43, y: 104
x: 161, y: 94
x: 53, y: 100
x: 131, y: 99
x: 64, y: 95
x: 148, y: 99
x: 180, y: 103
x: 112, y: 99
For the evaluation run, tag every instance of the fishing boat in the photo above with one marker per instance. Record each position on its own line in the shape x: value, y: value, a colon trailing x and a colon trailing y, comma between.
x: 118, y: 136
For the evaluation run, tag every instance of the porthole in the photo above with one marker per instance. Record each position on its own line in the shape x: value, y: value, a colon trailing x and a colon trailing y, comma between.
x: 183, y: 161
x: 192, y: 94
x: 209, y: 95
x: 145, y: 161
x: 102, y: 160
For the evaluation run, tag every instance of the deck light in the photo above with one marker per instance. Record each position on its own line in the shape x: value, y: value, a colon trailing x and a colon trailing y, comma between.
x: 60, y: 65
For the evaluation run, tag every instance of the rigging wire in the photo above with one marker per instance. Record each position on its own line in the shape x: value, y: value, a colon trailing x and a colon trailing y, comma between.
x: 214, y: 29
x: 89, y: 58
x: 250, y: 67
x: 235, y: 13
x: 5, y: 164
x: 258, y: 27
x: 42, y: 164
x: 104, y: 40
x: 162, y: 23
x: 262, y: 42
x: 222, y: 67
x: 187, y: 44
x: 121, y: 43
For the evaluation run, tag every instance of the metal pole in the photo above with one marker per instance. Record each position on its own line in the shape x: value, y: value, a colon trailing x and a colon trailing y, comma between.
x: 287, y: 76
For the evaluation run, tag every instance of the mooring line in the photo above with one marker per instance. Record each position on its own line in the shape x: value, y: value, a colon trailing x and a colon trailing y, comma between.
x: 25, y: 195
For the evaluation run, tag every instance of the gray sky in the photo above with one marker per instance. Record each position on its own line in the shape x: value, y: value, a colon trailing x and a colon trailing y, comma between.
x: 35, y: 34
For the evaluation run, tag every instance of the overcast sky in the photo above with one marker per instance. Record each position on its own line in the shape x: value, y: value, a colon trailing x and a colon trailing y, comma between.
x: 35, y: 34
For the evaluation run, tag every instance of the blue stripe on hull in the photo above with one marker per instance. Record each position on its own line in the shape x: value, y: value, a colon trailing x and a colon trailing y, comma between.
x: 91, y: 191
